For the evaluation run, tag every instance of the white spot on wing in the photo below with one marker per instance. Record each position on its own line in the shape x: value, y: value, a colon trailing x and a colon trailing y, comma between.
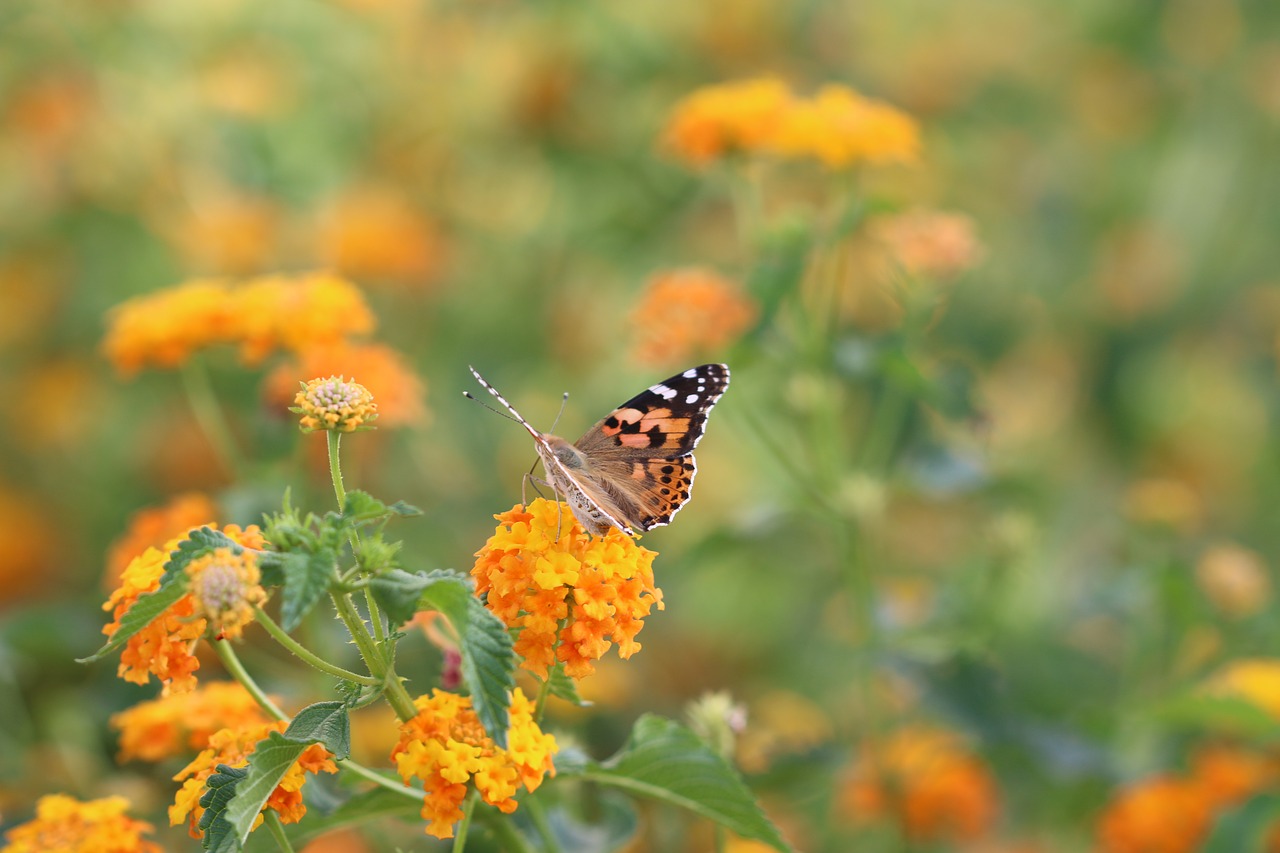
x: 690, y: 373
x: 663, y: 391
x: 692, y: 398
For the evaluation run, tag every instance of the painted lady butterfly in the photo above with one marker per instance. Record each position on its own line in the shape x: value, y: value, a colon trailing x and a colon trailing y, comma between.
x: 634, y: 469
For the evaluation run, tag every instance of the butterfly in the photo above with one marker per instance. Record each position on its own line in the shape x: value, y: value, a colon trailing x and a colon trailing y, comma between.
x: 634, y: 469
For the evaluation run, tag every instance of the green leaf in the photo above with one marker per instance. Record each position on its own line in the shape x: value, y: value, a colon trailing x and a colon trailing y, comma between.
x: 1221, y: 715
x: 488, y: 663
x: 564, y: 687
x: 363, y: 508
x: 141, y: 614
x: 667, y: 762
x: 219, y: 835
x: 198, y: 543
x: 306, y: 580
x: 327, y: 723
x: 1245, y: 828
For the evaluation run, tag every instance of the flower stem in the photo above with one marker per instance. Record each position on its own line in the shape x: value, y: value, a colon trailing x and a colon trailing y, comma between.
x: 306, y: 655
x: 335, y: 467
x: 508, y: 838
x: 209, y: 415
x: 393, y: 689
x: 276, y: 828
x: 460, y: 837
x: 232, y: 662
x: 378, y: 779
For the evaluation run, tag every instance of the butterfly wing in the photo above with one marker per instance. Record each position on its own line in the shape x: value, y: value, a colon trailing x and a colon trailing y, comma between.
x: 639, y: 458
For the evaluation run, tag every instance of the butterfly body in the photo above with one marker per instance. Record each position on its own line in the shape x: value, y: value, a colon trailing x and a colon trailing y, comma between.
x: 634, y: 469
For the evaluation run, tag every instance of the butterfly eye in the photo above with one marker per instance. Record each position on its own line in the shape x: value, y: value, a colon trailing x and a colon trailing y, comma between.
x: 569, y: 456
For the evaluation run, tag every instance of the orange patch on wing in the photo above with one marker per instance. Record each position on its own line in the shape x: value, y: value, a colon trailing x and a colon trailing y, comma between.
x: 634, y: 439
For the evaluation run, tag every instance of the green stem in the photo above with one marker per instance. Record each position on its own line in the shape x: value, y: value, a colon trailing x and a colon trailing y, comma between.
x: 394, y: 690
x: 460, y: 836
x: 378, y: 779
x: 276, y: 828
x: 886, y: 427
x: 335, y: 467
x: 232, y: 662
x: 306, y: 655
x: 209, y: 415
x: 508, y: 839
x: 536, y: 813
x: 544, y: 690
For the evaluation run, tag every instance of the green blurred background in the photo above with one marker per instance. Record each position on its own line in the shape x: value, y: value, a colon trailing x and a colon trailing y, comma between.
x: 1089, y: 415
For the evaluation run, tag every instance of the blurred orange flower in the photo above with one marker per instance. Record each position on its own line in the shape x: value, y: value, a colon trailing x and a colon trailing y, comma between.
x: 1158, y: 815
x: 163, y: 329
x: 925, y: 780
x: 65, y: 825
x: 572, y: 597
x: 445, y: 746
x: 28, y: 536
x: 1227, y: 775
x: 1234, y: 580
x: 162, y: 728
x: 385, y: 372
x: 228, y: 234
x: 689, y: 311
x: 842, y: 128
x: 377, y: 234
x: 929, y: 243
x: 153, y: 526
x: 165, y: 647
x: 726, y: 118
x: 233, y: 746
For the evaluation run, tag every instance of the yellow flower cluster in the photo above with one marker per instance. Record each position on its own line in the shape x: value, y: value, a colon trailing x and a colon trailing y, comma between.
x: 224, y: 587
x: 687, y: 312
x: 571, y: 597
x: 837, y: 126
x: 445, y: 746
x: 162, y: 728
x: 927, y: 782
x: 233, y: 746
x: 165, y: 647
x: 65, y: 825
x: 261, y: 315
x: 334, y: 404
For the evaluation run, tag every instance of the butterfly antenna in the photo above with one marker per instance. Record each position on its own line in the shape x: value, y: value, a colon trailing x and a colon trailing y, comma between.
x: 475, y: 399
x: 563, y: 400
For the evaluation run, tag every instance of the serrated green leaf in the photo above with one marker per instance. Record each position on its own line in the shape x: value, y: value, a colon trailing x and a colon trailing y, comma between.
x: 327, y: 723
x: 198, y: 543
x: 667, y: 762
x: 564, y: 687
x: 141, y: 614
x: 1245, y: 828
x: 220, y: 790
x: 363, y: 507
x: 488, y: 663
x: 306, y: 580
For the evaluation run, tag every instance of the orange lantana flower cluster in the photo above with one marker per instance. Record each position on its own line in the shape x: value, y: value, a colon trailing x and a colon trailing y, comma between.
x: 333, y: 403
x: 837, y: 126
x: 926, y: 781
x: 162, y: 728
x: 259, y: 316
x: 225, y: 588
x: 572, y: 597
x: 929, y: 243
x: 233, y: 746
x: 65, y: 825
x: 165, y: 647
x: 445, y: 746
x: 689, y: 311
